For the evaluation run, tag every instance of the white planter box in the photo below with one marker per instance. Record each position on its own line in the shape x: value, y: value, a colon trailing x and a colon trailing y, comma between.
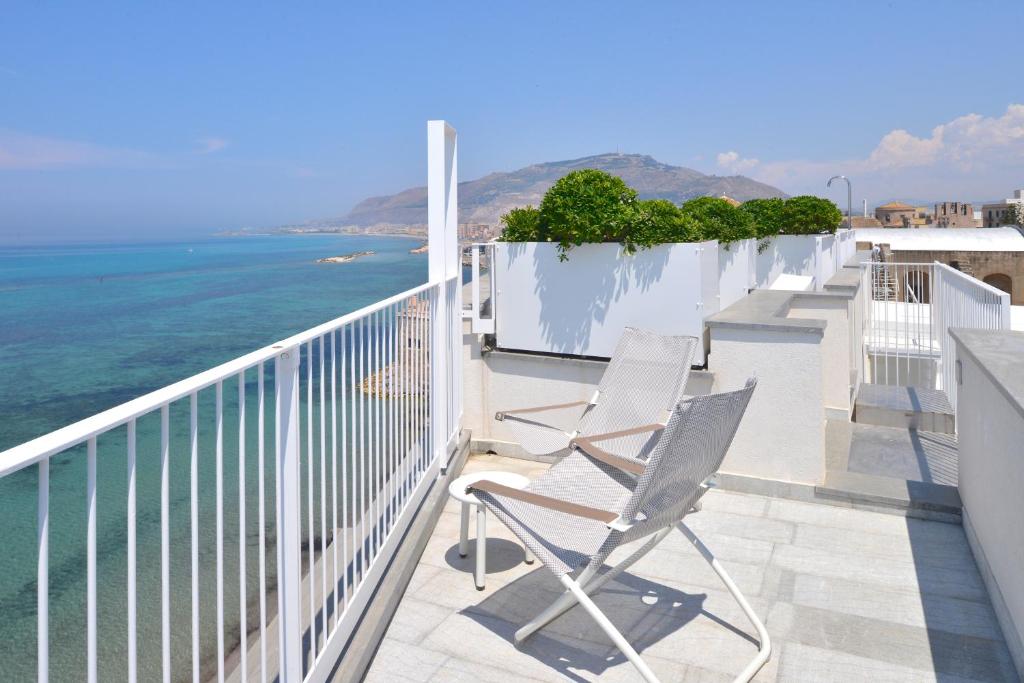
x: 581, y: 306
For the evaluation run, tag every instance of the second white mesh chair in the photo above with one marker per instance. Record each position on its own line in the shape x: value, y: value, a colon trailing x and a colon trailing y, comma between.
x: 644, y: 380
x: 595, y: 499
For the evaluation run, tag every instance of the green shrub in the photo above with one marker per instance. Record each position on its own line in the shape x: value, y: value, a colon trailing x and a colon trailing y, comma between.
x: 766, y: 215
x: 521, y: 225
x: 659, y: 221
x: 587, y: 206
x: 718, y: 219
x: 809, y: 215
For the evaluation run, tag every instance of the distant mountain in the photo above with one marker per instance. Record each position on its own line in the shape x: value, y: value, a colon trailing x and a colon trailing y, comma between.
x: 485, y: 199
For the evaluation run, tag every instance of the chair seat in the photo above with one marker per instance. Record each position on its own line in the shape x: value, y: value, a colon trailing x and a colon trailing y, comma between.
x: 564, y: 542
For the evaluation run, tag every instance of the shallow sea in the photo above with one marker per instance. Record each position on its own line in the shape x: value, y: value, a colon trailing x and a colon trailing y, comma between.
x: 86, y: 327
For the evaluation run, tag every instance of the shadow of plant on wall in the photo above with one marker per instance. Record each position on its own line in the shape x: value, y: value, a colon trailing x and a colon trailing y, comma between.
x: 577, y: 294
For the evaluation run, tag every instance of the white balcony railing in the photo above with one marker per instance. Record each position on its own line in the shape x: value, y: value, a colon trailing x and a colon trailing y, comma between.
x: 905, y: 313
x: 963, y: 301
x: 348, y: 424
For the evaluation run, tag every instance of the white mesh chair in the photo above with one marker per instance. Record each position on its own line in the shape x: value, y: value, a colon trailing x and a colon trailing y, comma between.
x: 643, y: 382
x: 595, y: 500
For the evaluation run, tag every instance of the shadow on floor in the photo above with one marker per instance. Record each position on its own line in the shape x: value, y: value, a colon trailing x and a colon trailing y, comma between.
x: 644, y: 611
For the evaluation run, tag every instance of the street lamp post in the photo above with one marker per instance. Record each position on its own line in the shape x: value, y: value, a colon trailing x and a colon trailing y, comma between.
x: 849, y: 198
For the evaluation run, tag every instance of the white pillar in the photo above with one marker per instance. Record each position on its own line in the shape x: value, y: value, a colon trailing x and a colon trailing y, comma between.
x: 289, y: 551
x: 444, y: 264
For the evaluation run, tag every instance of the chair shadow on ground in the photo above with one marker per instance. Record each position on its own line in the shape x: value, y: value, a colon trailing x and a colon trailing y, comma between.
x: 644, y: 611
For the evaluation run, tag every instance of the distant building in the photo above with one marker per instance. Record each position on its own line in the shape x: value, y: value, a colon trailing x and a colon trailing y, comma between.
x: 863, y: 222
x: 992, y: 256
x: 923, y: 218
x: 730, y: 200
x: 955, y: 215
x: 994, y: 215
x: 895, y: 215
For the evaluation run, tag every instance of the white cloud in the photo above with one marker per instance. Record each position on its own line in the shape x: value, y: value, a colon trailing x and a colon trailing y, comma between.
x: 22, y: 151
x: 972, y: 156
x: 211, y: 145
x: 734, y: 163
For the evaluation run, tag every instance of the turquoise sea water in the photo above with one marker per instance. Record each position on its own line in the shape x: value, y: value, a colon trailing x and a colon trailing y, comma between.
x: 84, y: 328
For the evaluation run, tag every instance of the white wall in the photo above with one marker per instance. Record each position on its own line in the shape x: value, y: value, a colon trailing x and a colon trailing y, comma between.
x: 737, y: 263
x: 836, y: 373
x: 581, y: 306
x: 791, y: 254
x: 786, y: 406
x: 991, y: 434
x: 501, y: 380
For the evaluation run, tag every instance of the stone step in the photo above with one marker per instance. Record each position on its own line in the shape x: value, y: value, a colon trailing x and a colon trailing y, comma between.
x: 908, y: 471
x: 919, y: 499
x: 904, y: 407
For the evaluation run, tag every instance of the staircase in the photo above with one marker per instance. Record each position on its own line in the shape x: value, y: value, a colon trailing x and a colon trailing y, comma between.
x: 900, y: 454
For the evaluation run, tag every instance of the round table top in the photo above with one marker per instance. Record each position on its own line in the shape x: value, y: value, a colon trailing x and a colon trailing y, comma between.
x: 457, y: 488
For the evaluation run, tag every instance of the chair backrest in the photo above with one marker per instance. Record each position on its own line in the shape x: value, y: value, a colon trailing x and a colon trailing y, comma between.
x: 689, y: 450
x: 644, y: 380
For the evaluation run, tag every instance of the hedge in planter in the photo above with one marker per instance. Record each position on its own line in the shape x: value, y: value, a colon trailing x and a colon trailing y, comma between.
x: 591, y: 206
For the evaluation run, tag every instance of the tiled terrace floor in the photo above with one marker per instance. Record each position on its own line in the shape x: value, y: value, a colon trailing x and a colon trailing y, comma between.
x: 847, y: 595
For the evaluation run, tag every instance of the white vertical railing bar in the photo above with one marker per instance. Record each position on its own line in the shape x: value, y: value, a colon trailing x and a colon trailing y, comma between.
x: 289, y: 521
x: 378, y: 424
x: 389, y: 402
x: 132, y: 622
x: 343, y: 352
x: 358, y: 519
x: 165, y: 542
x: 219, y: 421
x: 43, y: 574
x: 334, y: 470
x: 261, y: 476
x: 243, y: 631
x: 90, y: 487
x: 194, y: 502
x: 323, y: 491
x: 309, y: 499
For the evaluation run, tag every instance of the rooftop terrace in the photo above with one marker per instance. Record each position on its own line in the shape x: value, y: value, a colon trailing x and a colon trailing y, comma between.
x: 846, y: 594
x: 868, y: 504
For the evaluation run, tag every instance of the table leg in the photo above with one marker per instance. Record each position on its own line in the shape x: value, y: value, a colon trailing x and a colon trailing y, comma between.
x: 481, y: 547
x: 464, y: 531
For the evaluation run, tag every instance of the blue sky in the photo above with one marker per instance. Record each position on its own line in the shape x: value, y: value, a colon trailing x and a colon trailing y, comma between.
x: 118, y: 120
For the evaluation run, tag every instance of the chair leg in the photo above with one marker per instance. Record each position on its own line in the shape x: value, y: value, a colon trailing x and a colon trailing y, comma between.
x: 566, y: 601
x: 620, y: 642
x: 764, y: 651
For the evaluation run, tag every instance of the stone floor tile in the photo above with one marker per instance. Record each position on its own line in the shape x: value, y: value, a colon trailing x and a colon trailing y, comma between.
x: 898, y: 575
x: 964, y: 617
x: 895, y: 644
x: 397, y: 661
x: 806, y: 664
x: 768, y: 529
x: 835, y: 517
x: 720, y: 500
x: 415, y: 619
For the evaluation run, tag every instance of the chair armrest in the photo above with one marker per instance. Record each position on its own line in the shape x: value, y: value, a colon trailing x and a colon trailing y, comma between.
x: 616, y: 461
x: 655, y: 427
x: 500, y: 415
x: 548, y: 502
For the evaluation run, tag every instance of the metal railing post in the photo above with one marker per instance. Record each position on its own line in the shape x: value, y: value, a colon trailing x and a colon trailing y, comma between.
x: 289, y: 572
x: 445, y: 263
x: 818, y: 269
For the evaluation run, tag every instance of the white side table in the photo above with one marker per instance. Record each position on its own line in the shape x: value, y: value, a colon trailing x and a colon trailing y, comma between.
x: 457, y: 490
